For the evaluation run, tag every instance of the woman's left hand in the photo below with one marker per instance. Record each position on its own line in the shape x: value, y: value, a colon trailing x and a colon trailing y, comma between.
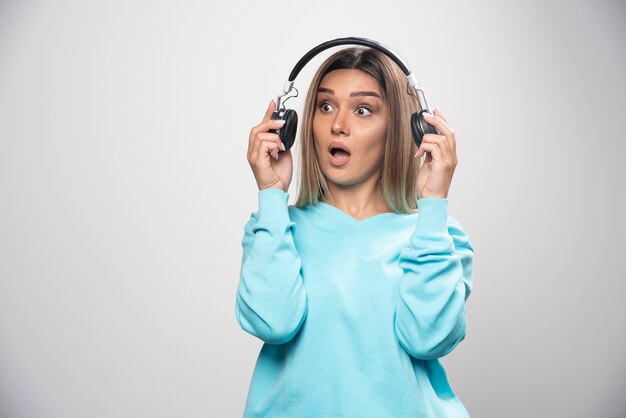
x: 435, y: 174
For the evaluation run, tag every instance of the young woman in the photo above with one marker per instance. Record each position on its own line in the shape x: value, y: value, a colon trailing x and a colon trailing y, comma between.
x: 359, y: 288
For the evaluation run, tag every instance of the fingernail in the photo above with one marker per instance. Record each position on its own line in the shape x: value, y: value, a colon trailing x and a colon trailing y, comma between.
x: 281, y: 121
x: 428, y: 115
x: 282, y: 146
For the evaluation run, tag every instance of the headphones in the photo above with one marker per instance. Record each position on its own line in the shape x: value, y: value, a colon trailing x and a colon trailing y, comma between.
x: 287, y: 134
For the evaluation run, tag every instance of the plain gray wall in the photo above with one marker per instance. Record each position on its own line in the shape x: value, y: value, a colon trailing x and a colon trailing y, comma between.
x: 124, y: 190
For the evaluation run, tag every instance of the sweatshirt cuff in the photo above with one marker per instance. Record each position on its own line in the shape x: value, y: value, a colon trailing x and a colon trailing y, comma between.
x: 432, y: 216
x: 273, y: 205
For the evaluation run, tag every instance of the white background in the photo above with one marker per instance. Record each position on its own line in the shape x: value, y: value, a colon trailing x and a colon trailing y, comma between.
x: 124, y: 189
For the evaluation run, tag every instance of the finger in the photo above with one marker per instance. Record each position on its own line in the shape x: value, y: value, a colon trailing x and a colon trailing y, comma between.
x: 443, y: 145
x: 264, y: 136
x: 438, y: 123
x: 444, y: 129
x: 255, y: 141
x: 264, y: 127
x: 269, y: 111
x: 433, y: 149
x: 267, y: 137
x: 270, y: 124
x: 260, y: 127
x: 262, y: 151
x: 437, y: 112
x: 268, y: 148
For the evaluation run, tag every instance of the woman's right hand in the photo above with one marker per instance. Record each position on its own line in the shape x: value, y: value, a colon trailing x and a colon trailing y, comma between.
x: 271, y: 168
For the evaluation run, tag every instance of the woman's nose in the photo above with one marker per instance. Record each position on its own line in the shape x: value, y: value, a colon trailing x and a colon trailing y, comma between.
x: 340, y: 125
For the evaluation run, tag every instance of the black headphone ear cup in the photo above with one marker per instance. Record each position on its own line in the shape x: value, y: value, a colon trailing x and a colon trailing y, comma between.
x: 416, y: 129
x: 287, y: 133
x: 419, y: 127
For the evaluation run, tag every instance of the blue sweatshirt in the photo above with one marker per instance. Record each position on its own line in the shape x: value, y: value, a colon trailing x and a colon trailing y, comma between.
x: 354, y: 314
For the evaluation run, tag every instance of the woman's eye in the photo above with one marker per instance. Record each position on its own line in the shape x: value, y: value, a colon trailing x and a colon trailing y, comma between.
x: 325, y: 107
x: 363, y: 111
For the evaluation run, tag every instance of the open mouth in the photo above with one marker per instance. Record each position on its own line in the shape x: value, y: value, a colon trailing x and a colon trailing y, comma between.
x: 338, y: 152
x: 338, y: 155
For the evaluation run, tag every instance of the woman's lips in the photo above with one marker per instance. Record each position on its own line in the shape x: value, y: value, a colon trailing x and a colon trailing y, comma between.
x: 339, y: 159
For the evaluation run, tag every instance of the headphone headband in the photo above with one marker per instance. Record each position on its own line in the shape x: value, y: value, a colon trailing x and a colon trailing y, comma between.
x: 349, y: 41
x: 353, y: 41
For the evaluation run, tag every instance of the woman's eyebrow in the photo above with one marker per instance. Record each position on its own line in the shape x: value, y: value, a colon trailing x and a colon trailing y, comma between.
x: 353, y: 94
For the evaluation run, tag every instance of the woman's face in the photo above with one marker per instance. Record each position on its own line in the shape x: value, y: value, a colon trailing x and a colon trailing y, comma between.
x: 350, y: 110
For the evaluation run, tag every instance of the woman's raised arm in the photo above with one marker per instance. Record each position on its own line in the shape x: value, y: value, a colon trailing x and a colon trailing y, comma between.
x: 271, y: 301
x: 430, y: 318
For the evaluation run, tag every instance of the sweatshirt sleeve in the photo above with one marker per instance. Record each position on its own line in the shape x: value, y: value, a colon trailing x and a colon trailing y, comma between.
x: 271, y: 301
x: 430, y: 318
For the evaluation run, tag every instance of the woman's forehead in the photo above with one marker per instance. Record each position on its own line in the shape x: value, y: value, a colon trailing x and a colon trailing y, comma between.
x: 348, y: 81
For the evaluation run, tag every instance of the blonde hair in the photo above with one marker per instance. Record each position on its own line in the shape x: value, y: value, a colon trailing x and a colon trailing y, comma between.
x: 398, y: 177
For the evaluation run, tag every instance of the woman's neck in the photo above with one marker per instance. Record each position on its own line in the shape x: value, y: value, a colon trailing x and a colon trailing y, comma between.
x: 359, y: 201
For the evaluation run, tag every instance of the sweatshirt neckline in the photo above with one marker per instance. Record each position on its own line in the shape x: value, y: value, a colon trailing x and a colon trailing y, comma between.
x: 332, y: 210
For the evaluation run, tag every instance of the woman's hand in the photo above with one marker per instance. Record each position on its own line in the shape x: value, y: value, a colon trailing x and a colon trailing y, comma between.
x: 275, y: 172
x: 435, y: 174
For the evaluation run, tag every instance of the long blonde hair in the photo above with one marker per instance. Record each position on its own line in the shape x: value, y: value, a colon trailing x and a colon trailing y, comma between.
x: 398, y: 177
